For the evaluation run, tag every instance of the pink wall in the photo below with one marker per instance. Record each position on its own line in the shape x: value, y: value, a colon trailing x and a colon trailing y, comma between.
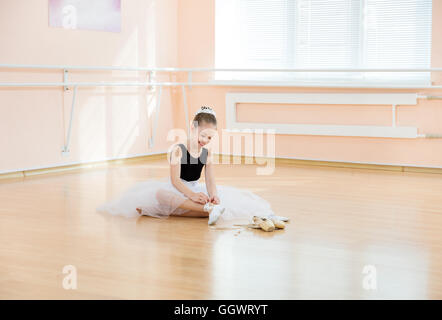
x: 109, y: 122
x: 196, y: 49
x: 116, y: 122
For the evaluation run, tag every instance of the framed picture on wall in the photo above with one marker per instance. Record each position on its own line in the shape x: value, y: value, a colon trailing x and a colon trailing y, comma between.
x: 102, y: 15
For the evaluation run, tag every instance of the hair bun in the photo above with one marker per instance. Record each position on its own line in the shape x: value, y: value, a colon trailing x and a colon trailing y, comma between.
x: 206, y: 109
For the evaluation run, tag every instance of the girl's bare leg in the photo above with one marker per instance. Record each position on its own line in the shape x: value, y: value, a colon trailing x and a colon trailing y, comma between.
x: 191, y: 205
x: 196, y: 209
x: 194, y: 214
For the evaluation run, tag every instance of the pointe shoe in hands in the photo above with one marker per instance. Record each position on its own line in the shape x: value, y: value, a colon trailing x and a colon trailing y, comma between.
x: 214, y: 200
x: 215, y: 211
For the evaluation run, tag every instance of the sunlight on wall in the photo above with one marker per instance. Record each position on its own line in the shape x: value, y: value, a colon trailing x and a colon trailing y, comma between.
x: 91, y: 141
x: 96, y: 133
x: 128, y: 54
x: 125, y: 123
x: 151, y: 100
x: 125, y: 114
x: 151, y: 34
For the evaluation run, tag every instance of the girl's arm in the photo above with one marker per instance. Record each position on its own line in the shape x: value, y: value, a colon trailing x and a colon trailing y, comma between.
x: 210, y: 177
x: 175, y: 171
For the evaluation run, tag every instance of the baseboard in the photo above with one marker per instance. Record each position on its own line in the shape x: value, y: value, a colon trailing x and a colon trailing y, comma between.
x: 82, y: 165
x: 361, y: 166
x: 340, y: 164
x: 238, y: 158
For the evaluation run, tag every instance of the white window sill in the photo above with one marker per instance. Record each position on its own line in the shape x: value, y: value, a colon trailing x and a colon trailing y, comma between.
x: 323, y: 84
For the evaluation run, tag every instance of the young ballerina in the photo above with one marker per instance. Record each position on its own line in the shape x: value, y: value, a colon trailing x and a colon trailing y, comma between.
x: 182, y: 194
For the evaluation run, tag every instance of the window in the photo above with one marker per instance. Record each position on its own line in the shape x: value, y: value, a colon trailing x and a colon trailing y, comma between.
x: 292, y: 34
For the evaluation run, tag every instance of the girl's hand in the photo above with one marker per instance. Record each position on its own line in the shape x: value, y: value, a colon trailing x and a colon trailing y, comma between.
x: 214, y: 199
x: 199, y: 197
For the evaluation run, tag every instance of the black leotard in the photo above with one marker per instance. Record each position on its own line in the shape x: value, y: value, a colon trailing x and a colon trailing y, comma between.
x: 191, y: 167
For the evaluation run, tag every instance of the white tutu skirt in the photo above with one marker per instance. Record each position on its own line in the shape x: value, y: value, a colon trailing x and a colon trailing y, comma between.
x: 159, y: 198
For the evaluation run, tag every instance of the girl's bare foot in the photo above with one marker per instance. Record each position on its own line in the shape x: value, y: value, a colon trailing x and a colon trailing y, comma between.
x: 139, y: 210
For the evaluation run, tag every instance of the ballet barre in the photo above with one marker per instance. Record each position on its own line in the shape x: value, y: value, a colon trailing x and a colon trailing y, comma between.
x: 66, y: 84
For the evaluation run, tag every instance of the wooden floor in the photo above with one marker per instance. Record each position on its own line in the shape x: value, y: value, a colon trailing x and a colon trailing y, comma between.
x: 341, y: 221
